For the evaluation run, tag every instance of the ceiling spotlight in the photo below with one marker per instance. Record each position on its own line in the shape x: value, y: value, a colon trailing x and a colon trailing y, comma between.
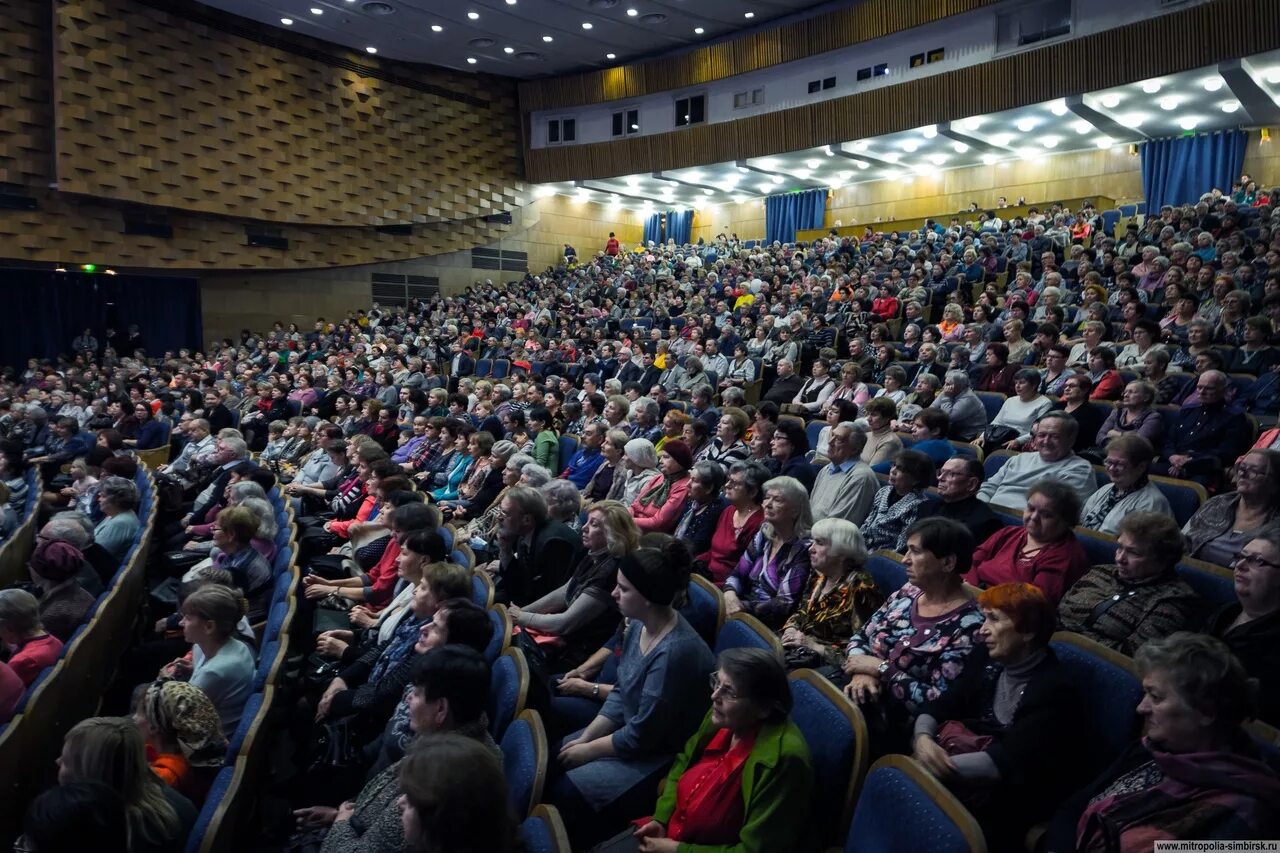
x: 891, y: 156
x: 1110, y: 101
x: 698, y: 31
x: 1058, y: 107
x: 109, y: 272
x: 827, y: 150
x: 1030, y: 153
x: 972, y: 123
x: 59, y: 269
x: 1273, y: 77
x: 846, y: 175
x: 765, y: 188
x: 929, y: 131
x: 288, y: 22
x: 1026, y: 125
x: 1151, y: 87
x: 1049, y: 141
x: 1169, y: 103
x: 545, y: 191
x: 862, y: 164
x: 802, y: 174
x: 743, y: 169
x: 548, y: 39
x: 475, y: 16
x: 739, y: 199
x: 990, y: 159
x: 1104, y: 142
x: 959, y: 147
x: 777, y: 179
x: 631, y: 13
x: 1132, y: 119
x: 708, y: 192
x: 749, y: 15
x: 436, y: 28
x: 586, y: 25
x: 316, y: 10
x: 1230, y: 106
x: 1082, y: 127
x: 1188, y: 122
x: 511, y: 2
x: 938, y: 159
x: 1000, y: 140
x: 890, y: 175
x: 813, y: 164
x: 910, y: 145
x: 611, y: 56
x: 508, y: 50
x: 471, y: 60
x: 1213, y: 84
x: 861, y: 145
x: 370, y: 49
x: 633, y: 182
x: 768, y: 163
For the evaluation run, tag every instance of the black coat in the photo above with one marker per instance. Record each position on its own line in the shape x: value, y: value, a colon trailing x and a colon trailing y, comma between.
x: 544, y: 566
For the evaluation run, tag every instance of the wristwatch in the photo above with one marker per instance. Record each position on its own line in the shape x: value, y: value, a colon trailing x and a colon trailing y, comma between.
x: 595, y: 691
x: 883, y: 668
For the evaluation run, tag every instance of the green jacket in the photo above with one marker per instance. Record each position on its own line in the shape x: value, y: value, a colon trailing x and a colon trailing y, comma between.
x: 546, y: 450
x: 777, y: 785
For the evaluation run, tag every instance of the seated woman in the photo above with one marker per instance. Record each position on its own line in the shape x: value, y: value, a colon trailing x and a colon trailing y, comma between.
x: 111, y: 750
x: 564, y: 502
x: 30, y: 647
x: 118, y: 500
x: 1011, y: 427
x: 184, y: 736
x: 1134, y: 414
x: 1128, y: 461
x: 613, y: 765
x: 738, y: 522
x: 1106, y: 380
x: 661, y: 503
x: 838, y: 601
x: 706, y: 505
x: 1225, y: 522
x: 638, y: 472
x: 1006, y: 737
x: 883, y: 444
x: 1140, y: 597
x: 221, y: 663
x: 1251, y: 625
x: 774, y: 568
x: 912, y: 648
x: 788, y: 449
x: 744, y: 780
x: 151, y: 431
x: 1043, y: 551
x: 233, y: 550
x: 441, y: 811
x: 546, y: 443
x: 1195, y: 774
x: 897, y: 506
x: 581, y: 615
x: 63, y: 601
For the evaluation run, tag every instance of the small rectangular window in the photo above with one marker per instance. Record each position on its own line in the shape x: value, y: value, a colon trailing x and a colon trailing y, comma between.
x: 553, y: 131
x: 691, y: 110
x: 633, y: 121
x: 617, y: 124
x: 815, y: 86
x: 626, y: 122
x: 570, y: 129
x: 828, y: 82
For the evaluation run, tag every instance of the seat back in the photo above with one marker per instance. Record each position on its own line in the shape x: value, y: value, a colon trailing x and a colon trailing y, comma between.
x: 813, y: 431
x: 568, y: 447
x: 963, y: 448
x: 1214, y: 584
x: 1100, y: 547
x: 836, y: 734
x: 886, y: 569
x: 903, y: 807
x: 1184, y: 496
x: 992, y: 401
x: 742, y: 630
x: 501, y: 639
x: 995, y: 461
x: 482, y: 589
x: 705, y: 608
x: 1111, y: 681
x: 214, y: 811
x: 524, y: 760
x: 543, y: 832
x: 508, y: 690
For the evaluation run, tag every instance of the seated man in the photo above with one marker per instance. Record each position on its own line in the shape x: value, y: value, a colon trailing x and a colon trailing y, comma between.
x: 1207, y: 436
x: 959, y: 480
x: 846, y: 487
x: 537, y: 553
x: 1053, y: 459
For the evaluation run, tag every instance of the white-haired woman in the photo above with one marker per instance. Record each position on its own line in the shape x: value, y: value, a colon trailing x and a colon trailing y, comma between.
x: 774, y: 569
x: 639, y: 468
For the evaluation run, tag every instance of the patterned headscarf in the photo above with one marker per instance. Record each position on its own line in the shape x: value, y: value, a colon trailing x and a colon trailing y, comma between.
x: 183, y: 713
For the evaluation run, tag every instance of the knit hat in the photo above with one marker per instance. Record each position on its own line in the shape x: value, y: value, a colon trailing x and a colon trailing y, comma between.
x: 678, y: 450
x: 55, y: 560
x: 649, y: 572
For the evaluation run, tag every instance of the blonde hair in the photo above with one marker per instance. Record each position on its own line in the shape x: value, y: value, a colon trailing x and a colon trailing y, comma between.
x: 620, y: 528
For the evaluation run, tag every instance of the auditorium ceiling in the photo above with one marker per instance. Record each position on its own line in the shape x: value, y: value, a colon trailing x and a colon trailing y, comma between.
x: 516, y: 38
x: 1242, y: 93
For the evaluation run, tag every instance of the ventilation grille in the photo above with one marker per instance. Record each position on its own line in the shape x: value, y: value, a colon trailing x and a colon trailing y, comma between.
x: 500, y: 260
x: 398, y: 290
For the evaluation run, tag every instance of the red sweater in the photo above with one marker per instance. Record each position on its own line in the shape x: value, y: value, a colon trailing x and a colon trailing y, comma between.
x: 1054, y: 569
x: 726, y: 549
x: 664, y: 518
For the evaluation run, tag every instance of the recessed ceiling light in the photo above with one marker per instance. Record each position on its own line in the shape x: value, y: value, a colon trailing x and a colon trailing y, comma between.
x: 827, y: 150
x: 971, y: 123
x: 698, y: 31
x: 862, y: 164
x: 1133, y: 119
x: 938, y: 159
x: 508, y: 50
x: 316, y: 10
x: 1188, y: 122
x: 288, y: 22
x: 436, y: 28
x: 861, y: 145
x: 707, y: 192
x: 631, y: 13
x: 633, y: 182
x: 929, y: 131
x: 802, y: 174
x: 749, y: 15
x: 1026, y: 125
x: 990, y: 159
x: 959, y: 147
x: 511, y: 2
x: 890, y: 175
x: 1151, y: 87
x: 475, y: 16
x: 1213, y: 84
x: 1082, y: 127
x: 586, y: 25
x: 1049, y: 141
x: 471, y: 60
x: 1273, y: 76
x: 910, y: 145
x: 1058, y: 107
x: 370, y: 49
x: 693, y: 175
x: 768, y: 163
x: 765, y: 188
x: 812, y: 164
x: 611, y: 56
x: 891, y: 156
x: 1030, y: 153
x: 846, y: 175
x: 1110, y: 101
x: 739, y: 199
x: 1230, y: 106
x: 777, y: 179
x: 1169, y: 103
x: 548, y: 39
x: 1001, y: 139
x: 1104, y: 142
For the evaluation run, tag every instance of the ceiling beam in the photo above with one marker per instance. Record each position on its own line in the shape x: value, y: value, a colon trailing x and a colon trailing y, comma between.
x: 1242, y: 82
x: 787, y: 177
x: 950, y: 132
x: 1105, y: 124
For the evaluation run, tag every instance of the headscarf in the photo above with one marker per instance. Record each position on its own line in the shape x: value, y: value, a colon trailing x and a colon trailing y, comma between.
x: 55, y: 560
x: 184, y: 713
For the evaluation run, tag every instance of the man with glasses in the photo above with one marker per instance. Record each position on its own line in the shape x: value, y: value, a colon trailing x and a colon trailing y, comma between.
x: 1053, y: 459
x: 959, y: 479
x: 1207, y: 436
x: 1250, y: 626
x: 846, y: 486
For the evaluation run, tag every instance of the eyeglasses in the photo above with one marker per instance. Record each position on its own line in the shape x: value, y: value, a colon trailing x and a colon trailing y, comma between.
x: 718, y: 686
x: 1249, y: 472
x: 1253, y: 561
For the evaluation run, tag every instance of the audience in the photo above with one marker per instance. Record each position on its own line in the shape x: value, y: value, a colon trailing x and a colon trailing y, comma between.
x: 29, y: 646
x: 1225, y: 522
x: 897, y: 506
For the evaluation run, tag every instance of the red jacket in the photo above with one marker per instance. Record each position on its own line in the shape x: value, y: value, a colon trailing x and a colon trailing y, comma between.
x: 1054, y: 569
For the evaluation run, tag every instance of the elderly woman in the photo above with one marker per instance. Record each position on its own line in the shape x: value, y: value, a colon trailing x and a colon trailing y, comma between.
x: 1043, y: 551
x: 1135, y: 414
x: 845, y: 411
x: 883, y: 443
x: 1011, y: 427
x: 1006, y: 737
x: 483, y: 528
x: 1019, y: 347
x: 727, y: 447
x: 774, y: 568
x: 788, y: 448
x: 838, y: 600
x: 1249, y: 625
x: 63, y: 601
x: 1140, y: 597
x: 1127, y: 464
x: 639, y: 471
x: 1194, y: 774
x: 998, y: 373
x: 233, y: 550
x: 608, y: 472
x: 968, y: 415
x: 564, y: 501
x: 184, y: 736
x: 612, y: 766
x: 581, y: 616
x: 848, y: 389
x: 29, y: 646
x: 744, y: 780
x: 1146, y: 335
x: 1224, y: 523
x: 738, y: 522
x: 1106, y: 380
x: 1075, y: 402
x: 661, y: 503
x: 896, y: 506
x: 924, y: 392
x: 706, y: 504
x: 914, y: 646
x: 118, y: 500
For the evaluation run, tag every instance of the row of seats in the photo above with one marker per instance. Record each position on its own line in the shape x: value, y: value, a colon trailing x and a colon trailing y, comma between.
x: 69, y: 691
x: 16, y: 550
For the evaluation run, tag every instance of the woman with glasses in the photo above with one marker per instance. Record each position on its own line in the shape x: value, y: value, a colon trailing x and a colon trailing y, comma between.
x: 744, y: 780
x: 1129, y: 458
x: 1225, y: 522
x: 1251, y: 625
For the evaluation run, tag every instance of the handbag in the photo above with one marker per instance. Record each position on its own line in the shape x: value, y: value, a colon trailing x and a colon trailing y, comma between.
x: 998, y: 435
x: 801, y: 657
x: 336, y: 746
x: 958, y: 739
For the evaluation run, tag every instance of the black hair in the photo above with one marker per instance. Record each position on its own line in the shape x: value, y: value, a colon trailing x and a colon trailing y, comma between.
x: 944, y: 537
x: 457, y: 673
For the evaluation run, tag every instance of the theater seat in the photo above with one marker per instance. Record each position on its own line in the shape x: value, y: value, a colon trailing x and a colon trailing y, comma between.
x: 886, y: 569
x: 995, y: 461
x: 524, y: 762
x: 543, y: 832
x: 508, y: 690
x: 902, y: 807
x: 501, y: 638
x: 1111, y: 682
x: 482, y: 590
x: 836, y: 734
x: 742, y: 630
x: 1215, y: 584
x: 704, y: 609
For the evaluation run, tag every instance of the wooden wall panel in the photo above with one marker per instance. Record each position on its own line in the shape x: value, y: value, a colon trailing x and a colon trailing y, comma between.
x: 863, y: 21
x: 1206, y: 34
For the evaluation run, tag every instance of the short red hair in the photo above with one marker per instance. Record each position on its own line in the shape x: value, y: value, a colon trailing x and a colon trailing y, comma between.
x: 1032, y: 613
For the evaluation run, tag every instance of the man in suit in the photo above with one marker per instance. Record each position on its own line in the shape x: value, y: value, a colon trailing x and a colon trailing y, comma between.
x: 786, y: 386
x: 536, y: 553
x: 628, y: 370
x: 1207, y: 436
x: 460, y: 364
x: 651, y: 374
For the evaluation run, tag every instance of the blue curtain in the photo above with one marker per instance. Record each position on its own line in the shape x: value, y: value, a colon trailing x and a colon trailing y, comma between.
x: 784, y: 215
x: 1179, y: 171
x: 653, y: 228
x: 680, y: 226
x: 48, y: 309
